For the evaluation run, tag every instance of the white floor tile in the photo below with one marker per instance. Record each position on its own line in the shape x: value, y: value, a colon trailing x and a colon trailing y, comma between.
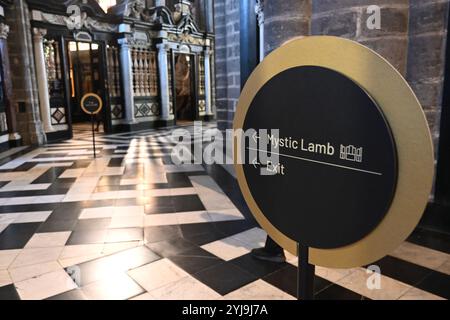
x: 157, y: 274
x: 28, y: 272
x: 422, y: 256
x: 48, y: 240
x: 187, y: 288
x: 7, y: 257
x: 30, y: 217
x: 417, y: 294
x: 118, y: 287
x: 4, y: 278
x: 390, y: 289
x: 228, y: 249
x: 36, y: 256
x: 258, y: 290
x: 225, y: 215
x: 45, y: 286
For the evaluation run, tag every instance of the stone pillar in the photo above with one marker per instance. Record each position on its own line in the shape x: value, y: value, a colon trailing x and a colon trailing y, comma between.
x: 164, y: 81
x: 126, y: 66
x: 284, y: 20
x: 259, y: 9
x: 208, y: 87
x: 426, y: 57
x: 41, y: 72
x: 7, y: 82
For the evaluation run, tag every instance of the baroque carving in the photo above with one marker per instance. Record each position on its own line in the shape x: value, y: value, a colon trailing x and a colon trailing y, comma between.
x: 186, y: 38
x: 4, y: 31
x: 83, y: 22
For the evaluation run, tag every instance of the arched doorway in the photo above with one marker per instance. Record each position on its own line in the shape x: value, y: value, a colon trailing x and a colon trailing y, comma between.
x: 186, y: 104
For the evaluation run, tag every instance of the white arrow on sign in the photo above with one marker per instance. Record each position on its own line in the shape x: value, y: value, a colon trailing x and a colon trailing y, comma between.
x: 255, y: 137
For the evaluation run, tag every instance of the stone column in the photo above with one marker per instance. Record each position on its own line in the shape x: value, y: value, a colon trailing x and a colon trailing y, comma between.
x: 164, y: 81
x: 208, y: 87
x: 126, y: 66
x: 41, y: 72
x: 7, y: 83
x: 259, y: 9
x: 284, y: 20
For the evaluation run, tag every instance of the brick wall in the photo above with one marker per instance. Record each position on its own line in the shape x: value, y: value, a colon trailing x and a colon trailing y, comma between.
x: 412, y: 37
x: 228, y: 81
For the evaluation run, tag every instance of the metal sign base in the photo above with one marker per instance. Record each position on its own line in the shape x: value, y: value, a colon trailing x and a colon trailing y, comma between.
x: 306, y: 274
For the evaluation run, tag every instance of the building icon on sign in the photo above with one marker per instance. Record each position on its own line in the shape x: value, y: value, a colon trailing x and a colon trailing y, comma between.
x: 351, y: 153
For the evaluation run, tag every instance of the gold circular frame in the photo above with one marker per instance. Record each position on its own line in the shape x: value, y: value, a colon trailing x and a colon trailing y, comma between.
x: 95, y: 96
x: 409, y: 127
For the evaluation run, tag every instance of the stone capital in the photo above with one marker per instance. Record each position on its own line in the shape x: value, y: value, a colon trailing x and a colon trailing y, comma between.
x: 39, y: 34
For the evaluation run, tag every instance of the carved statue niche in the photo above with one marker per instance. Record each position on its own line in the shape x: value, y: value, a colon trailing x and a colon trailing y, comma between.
x: 136, y: 9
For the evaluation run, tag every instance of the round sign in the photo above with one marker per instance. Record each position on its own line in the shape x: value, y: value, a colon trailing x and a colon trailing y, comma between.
x: 355, y: 157
x: 91, y: 103
x: 337, y: 164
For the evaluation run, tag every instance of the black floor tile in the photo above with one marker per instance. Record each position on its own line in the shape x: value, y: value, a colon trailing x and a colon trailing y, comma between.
x: 87, y: 237
x: 65, y: 213
x: 336, y: 292
x: 169, y: 248
x: 50, y: 175
x: 178, y: 180
x: 28, y: 207
x: 75, y: 294
x: 50, y: 155
x: 57, y: 226
x: 116, y: 162
x: 9, y: 292
x: 106, y: 267
x: 204, y: 238
x: 284, y: 279
x: 160, y: 202
x: 431, y: 239
x: 401, y: 270
x: 195, y: 260
x: 436, y: 283
x: 258, y: 268
x: 152, y: 209
x: 161, y: 233
x: 229, y: 228
x: 188, y: 203
x: 26, y: 166
x: 16, y: 236
x: 124, y: 235
x: 225, y: 278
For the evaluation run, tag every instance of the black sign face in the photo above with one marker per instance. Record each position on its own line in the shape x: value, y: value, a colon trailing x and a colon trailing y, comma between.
x: 91, y: 104
x: 337, y: 171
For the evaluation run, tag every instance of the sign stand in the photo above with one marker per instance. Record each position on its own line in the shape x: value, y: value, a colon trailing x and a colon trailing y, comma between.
x: 93, y: 135
x: 306, y: 274
x: 92, y: 104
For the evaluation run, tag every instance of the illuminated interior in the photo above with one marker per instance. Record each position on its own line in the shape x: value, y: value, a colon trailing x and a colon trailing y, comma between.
x: 106, y: 4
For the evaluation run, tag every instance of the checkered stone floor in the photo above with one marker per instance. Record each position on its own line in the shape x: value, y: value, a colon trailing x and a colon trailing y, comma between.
x: 132, y: 225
